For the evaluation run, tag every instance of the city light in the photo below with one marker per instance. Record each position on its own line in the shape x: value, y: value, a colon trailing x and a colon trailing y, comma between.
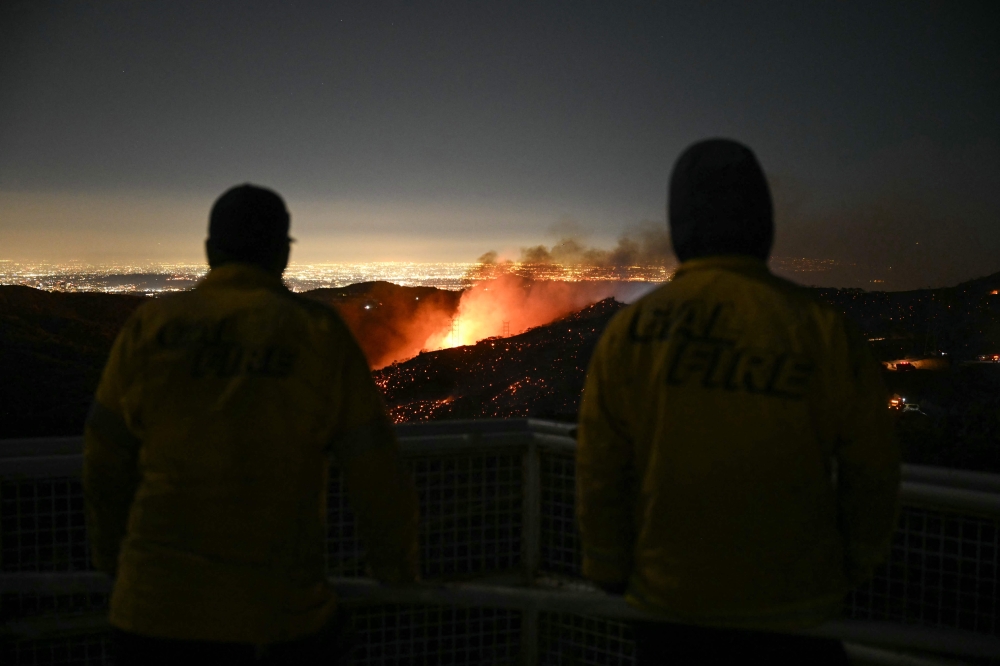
x: 152, y: 279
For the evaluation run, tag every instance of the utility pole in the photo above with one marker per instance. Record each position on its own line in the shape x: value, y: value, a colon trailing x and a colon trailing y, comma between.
x: 930, y: 343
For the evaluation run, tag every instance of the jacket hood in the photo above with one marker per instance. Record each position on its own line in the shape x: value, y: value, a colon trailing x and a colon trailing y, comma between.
x: 719, y: 202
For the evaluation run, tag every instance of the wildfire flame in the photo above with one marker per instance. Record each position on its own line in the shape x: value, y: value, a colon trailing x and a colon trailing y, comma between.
x: 521, y: 302
x: 393, y: 324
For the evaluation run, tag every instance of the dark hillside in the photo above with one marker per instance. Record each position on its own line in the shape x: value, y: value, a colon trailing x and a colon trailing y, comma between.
x: 963, y: 320
x: 53, y: 347
x: 958, y: 422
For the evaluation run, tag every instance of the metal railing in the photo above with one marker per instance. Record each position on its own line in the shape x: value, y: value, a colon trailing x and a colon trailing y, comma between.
x: 501, y: 557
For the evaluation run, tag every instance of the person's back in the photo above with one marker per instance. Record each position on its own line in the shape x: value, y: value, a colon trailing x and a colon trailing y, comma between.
x: 219, y: 409
x: 736, y: 464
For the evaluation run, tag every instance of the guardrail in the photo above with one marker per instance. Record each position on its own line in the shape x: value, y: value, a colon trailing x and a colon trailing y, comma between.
x: 501, y: 552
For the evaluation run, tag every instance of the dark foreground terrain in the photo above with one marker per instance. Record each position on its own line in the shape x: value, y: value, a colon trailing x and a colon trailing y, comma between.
x: 958, y: 422
x: 53, y: 346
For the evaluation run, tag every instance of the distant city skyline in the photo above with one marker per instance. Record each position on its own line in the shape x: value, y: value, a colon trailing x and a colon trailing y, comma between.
x: 437, y: 132
x: 153, y: 278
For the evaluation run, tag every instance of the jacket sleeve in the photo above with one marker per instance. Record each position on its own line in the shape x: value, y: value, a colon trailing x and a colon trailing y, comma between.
x: 110, y: 455
x: 379, y: 486
x: 868, y: 464
x: 604, y: 472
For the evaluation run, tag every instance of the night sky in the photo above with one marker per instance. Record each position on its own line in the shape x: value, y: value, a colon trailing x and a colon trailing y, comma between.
x: 438, y: 131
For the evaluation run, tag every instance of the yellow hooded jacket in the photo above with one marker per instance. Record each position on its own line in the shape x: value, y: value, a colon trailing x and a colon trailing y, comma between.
x: 206, y: 463
x: 736, y: 461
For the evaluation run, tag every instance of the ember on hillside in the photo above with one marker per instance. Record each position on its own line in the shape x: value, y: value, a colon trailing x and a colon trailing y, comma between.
x: 538, y: 373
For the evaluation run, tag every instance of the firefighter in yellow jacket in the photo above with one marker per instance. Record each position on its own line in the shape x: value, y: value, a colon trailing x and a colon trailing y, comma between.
x: 207, y: 448
x: 737, y: 472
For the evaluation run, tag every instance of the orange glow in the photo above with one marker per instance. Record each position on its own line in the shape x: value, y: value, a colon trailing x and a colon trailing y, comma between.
x: 510, y: 298
x: 393, y: 325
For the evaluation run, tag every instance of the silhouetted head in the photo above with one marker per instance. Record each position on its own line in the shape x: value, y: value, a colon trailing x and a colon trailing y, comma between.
x: 719, y: 202
x: 249, y: 224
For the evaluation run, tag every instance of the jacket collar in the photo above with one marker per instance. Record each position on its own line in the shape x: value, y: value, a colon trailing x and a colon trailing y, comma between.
x: 241, y: 276
x: 739, y: 263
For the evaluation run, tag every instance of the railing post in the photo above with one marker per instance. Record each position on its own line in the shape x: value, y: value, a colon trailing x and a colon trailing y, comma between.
x: 531, y: 529
x: 529, y: 637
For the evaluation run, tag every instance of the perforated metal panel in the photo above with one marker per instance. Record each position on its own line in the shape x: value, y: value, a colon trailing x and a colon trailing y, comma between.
x: 573, y: 639
x: 43, y: 525
x: 942, y: 571
x: 436, y: 635
x: 31, y: 604
x: 559, y: 538
x: 70, y: 651
x: 344, y: 550
x: 470, y: 513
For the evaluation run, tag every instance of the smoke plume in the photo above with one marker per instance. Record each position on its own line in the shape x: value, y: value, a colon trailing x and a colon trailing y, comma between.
x: 647, y: 245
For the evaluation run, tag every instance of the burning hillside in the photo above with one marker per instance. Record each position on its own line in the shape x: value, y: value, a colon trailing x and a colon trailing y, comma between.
x: 511, y: 304
x: 539, y: 373
x: 394, y: 323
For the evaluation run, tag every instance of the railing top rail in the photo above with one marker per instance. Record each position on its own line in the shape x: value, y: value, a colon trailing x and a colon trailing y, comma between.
x: 41, y: 446
x: 506, y: 432
x: 73, y: 445
x: 952, y: 478
x: 432, y: 428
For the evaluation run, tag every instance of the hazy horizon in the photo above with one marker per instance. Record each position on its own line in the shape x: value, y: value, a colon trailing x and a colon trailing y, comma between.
x: 303, y: 275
